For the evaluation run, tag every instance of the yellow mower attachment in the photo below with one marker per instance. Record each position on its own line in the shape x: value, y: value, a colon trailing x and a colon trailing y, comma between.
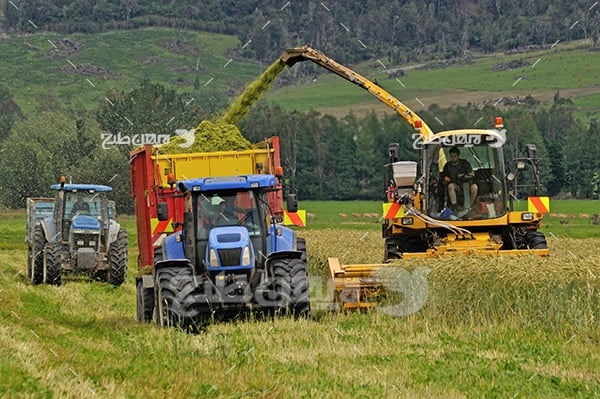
x: 356, y: 286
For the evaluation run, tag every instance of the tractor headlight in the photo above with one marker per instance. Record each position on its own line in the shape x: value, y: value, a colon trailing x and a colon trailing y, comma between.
x: 527, y: 216
x: 407, y: 221
x: 213, y: 259
x: 80, y: 243
x: 92, y: 243
x: 246, y: 256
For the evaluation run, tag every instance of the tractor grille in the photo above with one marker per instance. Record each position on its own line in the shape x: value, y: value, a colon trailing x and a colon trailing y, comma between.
x: 230, y: 256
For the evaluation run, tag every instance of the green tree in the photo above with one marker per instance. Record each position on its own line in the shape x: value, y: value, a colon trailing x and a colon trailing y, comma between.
x: 9, y: 112
x: 37, y: 152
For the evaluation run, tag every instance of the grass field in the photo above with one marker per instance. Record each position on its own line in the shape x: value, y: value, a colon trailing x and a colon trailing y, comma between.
x: 499, y: 328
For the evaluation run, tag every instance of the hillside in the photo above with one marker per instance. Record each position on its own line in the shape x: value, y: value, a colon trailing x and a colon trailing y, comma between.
x: 77, y: 70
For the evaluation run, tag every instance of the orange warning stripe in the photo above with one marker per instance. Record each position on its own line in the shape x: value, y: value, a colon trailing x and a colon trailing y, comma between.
x: 294, y: 218
x: 393, y: 211
x: 538, y: 204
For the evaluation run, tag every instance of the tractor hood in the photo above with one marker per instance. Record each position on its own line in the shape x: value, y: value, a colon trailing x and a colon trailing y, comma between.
x: 85, y: 222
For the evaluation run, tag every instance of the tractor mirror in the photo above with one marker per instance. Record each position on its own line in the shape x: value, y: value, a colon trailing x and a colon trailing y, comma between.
x: 162, y: 211
x: 292, y: 203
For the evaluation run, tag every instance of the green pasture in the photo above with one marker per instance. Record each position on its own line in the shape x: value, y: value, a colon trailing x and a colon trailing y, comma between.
x: 37, y: 75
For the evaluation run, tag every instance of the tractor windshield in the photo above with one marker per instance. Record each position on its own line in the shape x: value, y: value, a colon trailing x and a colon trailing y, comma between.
x: 227, y: 209
x: 467, y: 182
x: 83, y: 203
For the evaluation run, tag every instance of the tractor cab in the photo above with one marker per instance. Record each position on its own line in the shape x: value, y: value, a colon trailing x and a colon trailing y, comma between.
x: 83, y: 209
x: 230, y: 233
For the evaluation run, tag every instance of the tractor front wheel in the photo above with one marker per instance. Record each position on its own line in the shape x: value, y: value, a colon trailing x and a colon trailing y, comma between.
x: 176, y: 304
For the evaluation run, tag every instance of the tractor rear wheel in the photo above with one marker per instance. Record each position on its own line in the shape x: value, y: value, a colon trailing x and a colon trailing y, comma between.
x: 52, y: 264
x: 175, y: 295
x: 117, y: 259
x: 36, y: 264
x: 144, y: 301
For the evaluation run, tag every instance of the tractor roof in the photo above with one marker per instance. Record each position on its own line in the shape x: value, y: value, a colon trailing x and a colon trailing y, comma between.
x: 229, y: 182
x: 82, y: 187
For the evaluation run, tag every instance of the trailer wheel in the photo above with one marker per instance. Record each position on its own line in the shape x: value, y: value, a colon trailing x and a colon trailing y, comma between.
x: 36, y: 260
x: 52, y: 264
x: 536, y: 240
x: 300, y: 304
x: 176, y: 303
x: 144, y: 302
x: 117, y: 259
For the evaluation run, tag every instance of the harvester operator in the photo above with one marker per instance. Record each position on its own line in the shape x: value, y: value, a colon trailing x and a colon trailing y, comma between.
x: 456, y: 172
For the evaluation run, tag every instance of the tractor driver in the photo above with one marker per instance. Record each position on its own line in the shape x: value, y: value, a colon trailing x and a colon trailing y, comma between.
x: 456, y: 172
x: 80, y: 206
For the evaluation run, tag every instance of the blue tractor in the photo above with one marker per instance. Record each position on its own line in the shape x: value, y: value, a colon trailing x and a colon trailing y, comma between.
x: 231, y: 255
x: 75, y: 233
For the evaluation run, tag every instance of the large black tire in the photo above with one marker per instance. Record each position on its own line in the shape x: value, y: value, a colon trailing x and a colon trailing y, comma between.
x: 282, y: 286
x: 144, y: 302
x: 396, y: 247
x: 36, y: 258
x: 117, y: 259
x: 175, y: 295
x: 52, y: 264
x: 300, y: 304
x: 536, y: 240
x: 301, y: 246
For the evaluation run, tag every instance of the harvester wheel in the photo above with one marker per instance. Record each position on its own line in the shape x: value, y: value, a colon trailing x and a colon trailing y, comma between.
x: 52, y: 264
x: 144, y: 301
x: 117, y: 259
x: 300, y: 304
x: 301, y: 246
x: 36, y: 264
x: 175, y: 295
x: 536, y: 240
x: 392, y: 250
x: 282, y: 285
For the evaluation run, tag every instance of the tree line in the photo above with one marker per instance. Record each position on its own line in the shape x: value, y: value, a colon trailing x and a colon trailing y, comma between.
x: 401, y: 30
x: 324, y: 158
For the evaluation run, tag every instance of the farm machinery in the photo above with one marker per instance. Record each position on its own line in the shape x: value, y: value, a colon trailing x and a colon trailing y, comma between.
x: 211, y: 239
x: 420, y: 220
x: 75, y: 232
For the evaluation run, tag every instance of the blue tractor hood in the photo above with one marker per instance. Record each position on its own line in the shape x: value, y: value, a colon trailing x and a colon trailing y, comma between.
x: 85, y: 222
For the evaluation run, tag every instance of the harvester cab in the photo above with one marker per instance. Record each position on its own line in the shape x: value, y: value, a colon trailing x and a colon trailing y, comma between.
x: 79, y: 236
